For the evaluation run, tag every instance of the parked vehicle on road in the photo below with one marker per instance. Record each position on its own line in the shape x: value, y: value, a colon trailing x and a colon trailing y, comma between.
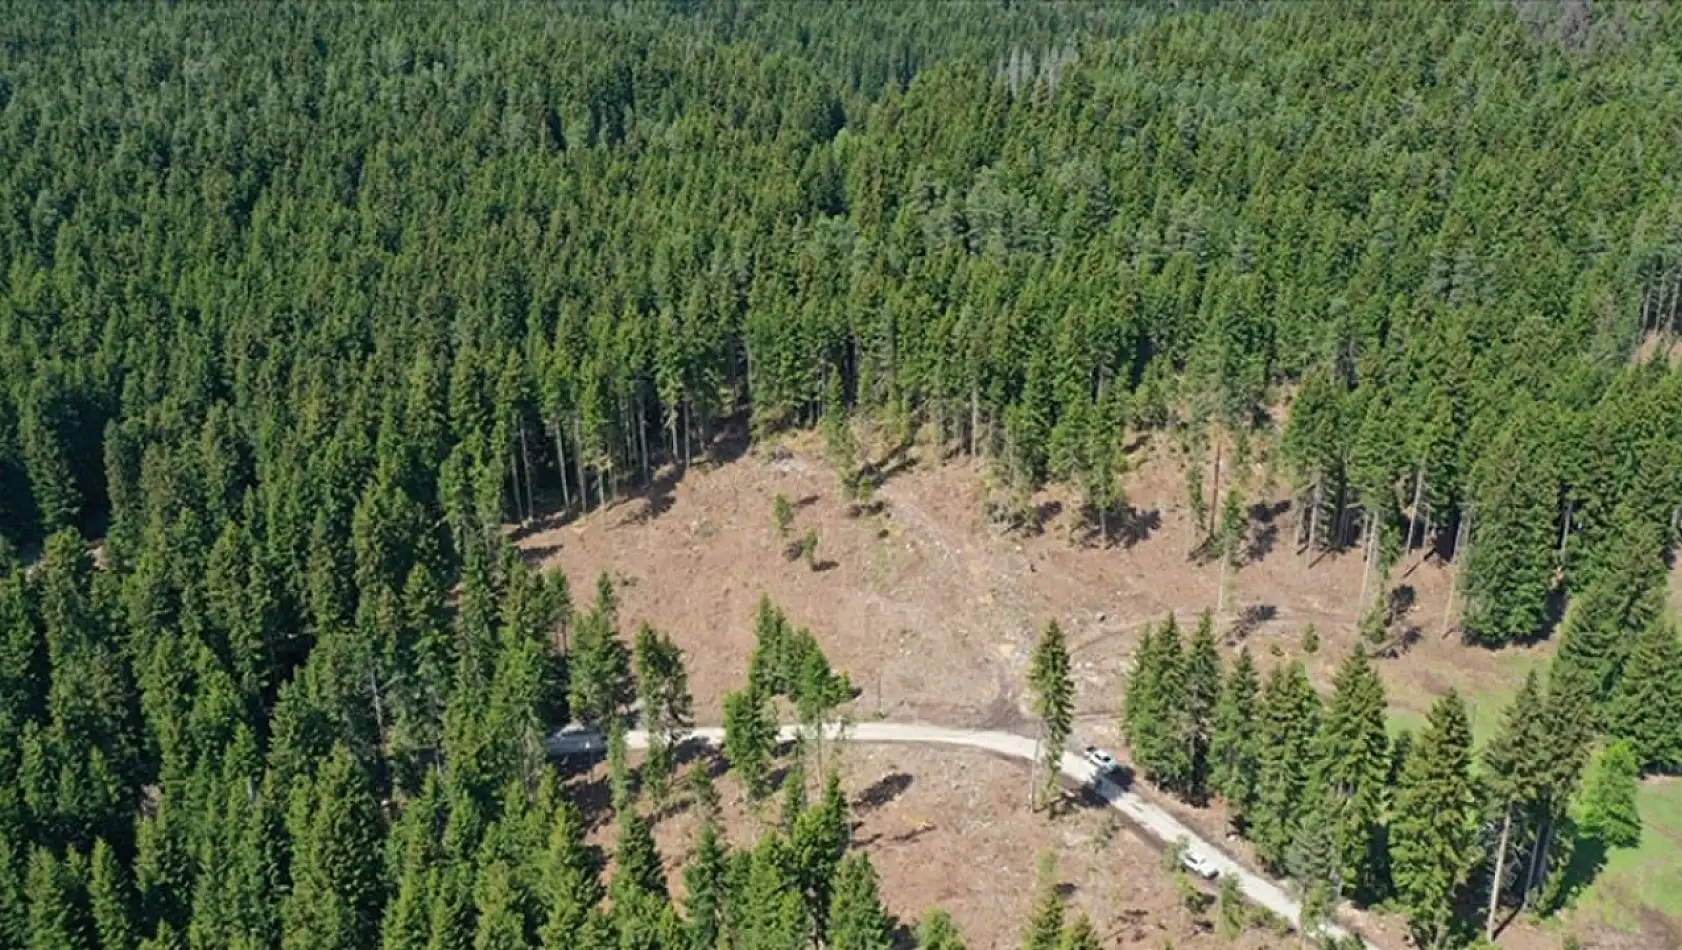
x: 1199, y: 865
x: 1101, y: 760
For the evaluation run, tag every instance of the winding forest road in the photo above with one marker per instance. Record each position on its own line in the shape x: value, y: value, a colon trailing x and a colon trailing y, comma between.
x: 1159, y: 823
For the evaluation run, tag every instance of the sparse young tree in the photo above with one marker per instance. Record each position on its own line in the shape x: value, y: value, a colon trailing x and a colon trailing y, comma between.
x: 1607, y: 807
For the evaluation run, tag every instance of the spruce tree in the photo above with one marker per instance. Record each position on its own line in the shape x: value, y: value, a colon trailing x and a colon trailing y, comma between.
x: 1154, y: 710
x: 1515, y: 773
x: 1234, y: 750
x: 567, y: 885
x: 1287, y: 723
x: 335, y: 825
x: 1080, y: 935
x: 1045, y: 921
x: 599, y: 686
x: 749, y: 737
x: 1646, y: 707
x: 1054, y: 700
x: 636, y: 862
x: 1434, y: 830
x: 706, y: 888
x: 936, y: 931
x: 54, y: 923
x: 110, y: 900
x: 501, y: 921
x: 1349, y: 782
x: 1202, y: 691
x: 856, y: 918
x: 1606, y: 808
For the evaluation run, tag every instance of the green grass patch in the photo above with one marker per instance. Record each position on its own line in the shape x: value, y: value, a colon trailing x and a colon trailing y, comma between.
x: 1646, y: 879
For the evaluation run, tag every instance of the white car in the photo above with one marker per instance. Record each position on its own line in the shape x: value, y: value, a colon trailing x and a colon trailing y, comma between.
x: 1199, y: 865
x: 1104, y: 762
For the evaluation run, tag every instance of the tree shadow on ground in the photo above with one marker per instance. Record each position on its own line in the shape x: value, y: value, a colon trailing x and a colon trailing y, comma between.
x: 881, y: 792
x: 1588, y: 857
x: 1249, y: 620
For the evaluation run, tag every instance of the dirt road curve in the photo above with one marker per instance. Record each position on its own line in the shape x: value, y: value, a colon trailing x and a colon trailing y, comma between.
x: 1257, y: 888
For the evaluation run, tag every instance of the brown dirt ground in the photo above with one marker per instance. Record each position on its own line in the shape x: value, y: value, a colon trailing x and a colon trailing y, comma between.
x: 932, y: 611
x: 941, y: 834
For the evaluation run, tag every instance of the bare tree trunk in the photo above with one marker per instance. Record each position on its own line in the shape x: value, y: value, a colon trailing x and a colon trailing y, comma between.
x: 1565, y: 533
x: 525, y: 462
x: 1500, y: 867
x: 1537, y: 859
x: 578, y: 455
x: 642, y: 435
x: 1418, y: 499
x: 561, y: 464
x: 1454, y: 579
x: 1314, y: 515
x: 1214, y: 489
x: 1220, y: 594
x: 514, y: 482
x: 1368, y: 554
x: 974, y: 418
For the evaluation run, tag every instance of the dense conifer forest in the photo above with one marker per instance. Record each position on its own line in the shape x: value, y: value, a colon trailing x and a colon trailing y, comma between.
x: 304, y: 303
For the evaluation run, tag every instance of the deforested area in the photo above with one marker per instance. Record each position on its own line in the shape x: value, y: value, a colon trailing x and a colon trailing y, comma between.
x: 398, y: 399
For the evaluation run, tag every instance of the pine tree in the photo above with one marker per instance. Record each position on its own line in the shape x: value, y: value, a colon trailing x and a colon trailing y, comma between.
x: 599, y: 687
x: 1234, y: 750
x: 636, y: 862
x: 1080, y: 935
x: 749, y: 736
x: 54, y: 923
x: 1351, y: 770
x: 817, y: 842
x: 1287, y: 723
x: 856, y: 918
x: 1154, y: 710
x: 1607, y: 809
x: 335, y: 826
x: 1202, y: 695
x: 1514, y: 768
x: 667, y: 708
x: 706, y: 889
x: 936, y: 931
x: 1045, y: 921
x: 1646, y: 707
x: 1054, y: 699
x: 110, y: 900
x: 499, y: 907
x: 1434, y: 830
x: 567, y: 884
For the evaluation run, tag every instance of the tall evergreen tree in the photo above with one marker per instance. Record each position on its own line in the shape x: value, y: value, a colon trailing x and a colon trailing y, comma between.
x: 856, y: 918
x: 335, y: 827
x: 1287, y: 724
x: 1202, y: 691
x: 1350, y: 776
x: 1054, y: 701
x: 1515, y: 774
x: 749, y: 737
x: 1153, y: 712
x: 1646, y: 707
x: 1434, y: 831
x: 1235, y: 749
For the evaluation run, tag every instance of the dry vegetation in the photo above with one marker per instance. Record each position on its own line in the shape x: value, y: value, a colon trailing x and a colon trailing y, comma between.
x: 932, y: 611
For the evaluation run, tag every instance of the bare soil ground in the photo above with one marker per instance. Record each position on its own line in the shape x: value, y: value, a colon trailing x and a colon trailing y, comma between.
x: 932, y: 612
x: 951, y: 829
